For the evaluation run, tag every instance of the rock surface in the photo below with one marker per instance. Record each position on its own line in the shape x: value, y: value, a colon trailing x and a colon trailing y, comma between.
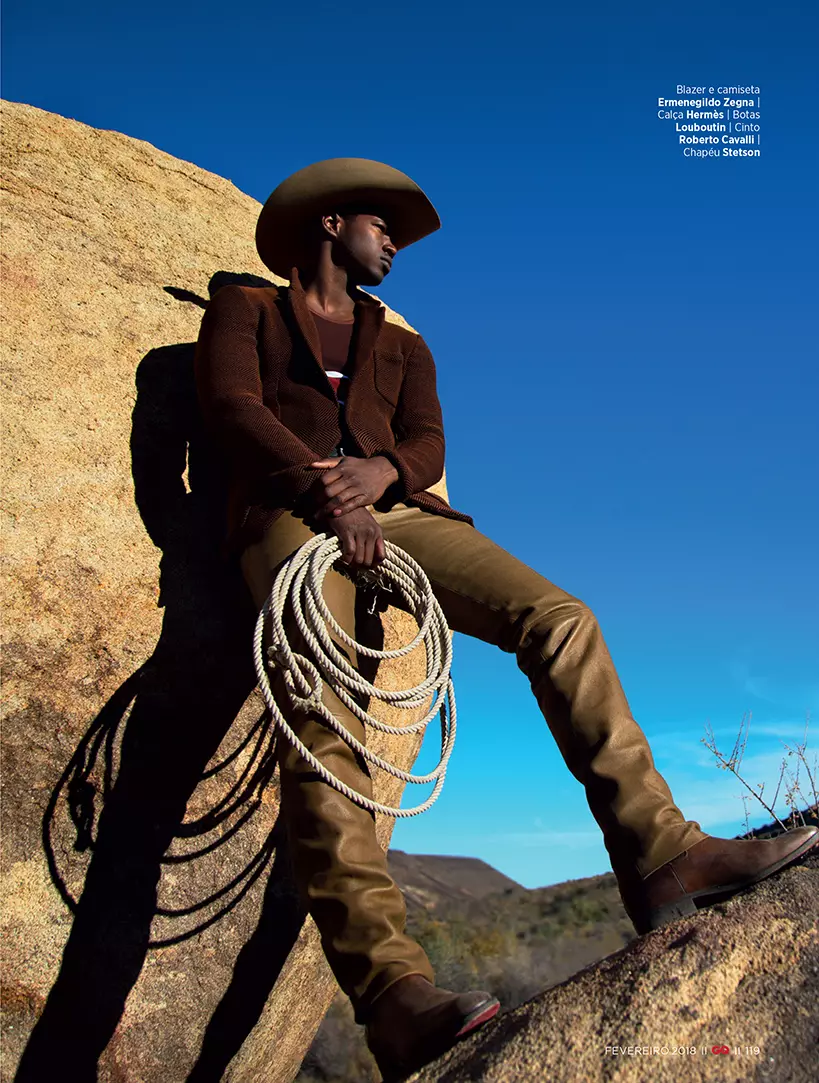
x: 128, y: 695
x: 742, y: 975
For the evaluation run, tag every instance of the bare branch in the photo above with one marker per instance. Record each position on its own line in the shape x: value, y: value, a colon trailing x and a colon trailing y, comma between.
x: 738, y: 750
x: 736, y: 756
x: 779, y: 782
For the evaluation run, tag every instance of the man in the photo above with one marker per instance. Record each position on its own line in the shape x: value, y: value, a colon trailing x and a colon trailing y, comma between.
x: 328, y: 413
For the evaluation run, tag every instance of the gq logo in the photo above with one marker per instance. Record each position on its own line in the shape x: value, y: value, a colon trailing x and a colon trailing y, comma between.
x: 720, y: 1049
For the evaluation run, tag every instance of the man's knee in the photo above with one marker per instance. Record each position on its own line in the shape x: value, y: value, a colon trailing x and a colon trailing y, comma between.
x: 558, y: 621
x: 580, y: 610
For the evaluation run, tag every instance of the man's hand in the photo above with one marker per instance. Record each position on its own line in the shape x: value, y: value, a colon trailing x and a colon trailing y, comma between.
x: 362, y: 542
x: 349, y: 483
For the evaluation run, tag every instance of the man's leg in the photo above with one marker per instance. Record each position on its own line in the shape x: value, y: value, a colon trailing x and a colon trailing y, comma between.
x: 666, y: 865
x: 487, y: 593
x: 339, y: 865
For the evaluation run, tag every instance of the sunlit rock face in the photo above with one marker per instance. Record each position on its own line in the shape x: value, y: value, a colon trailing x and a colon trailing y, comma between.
x: 132, y: 731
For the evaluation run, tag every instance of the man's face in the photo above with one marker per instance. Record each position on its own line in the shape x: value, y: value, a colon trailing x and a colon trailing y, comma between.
x: 363, y: 247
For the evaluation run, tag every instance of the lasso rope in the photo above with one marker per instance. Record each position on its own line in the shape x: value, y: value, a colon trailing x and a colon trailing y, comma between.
x: 299, y: 585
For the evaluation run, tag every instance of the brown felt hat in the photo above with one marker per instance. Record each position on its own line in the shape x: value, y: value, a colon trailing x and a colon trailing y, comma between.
x: 335, y: 182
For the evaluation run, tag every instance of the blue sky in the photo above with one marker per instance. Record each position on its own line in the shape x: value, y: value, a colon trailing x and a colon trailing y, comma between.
x: 625, y: 337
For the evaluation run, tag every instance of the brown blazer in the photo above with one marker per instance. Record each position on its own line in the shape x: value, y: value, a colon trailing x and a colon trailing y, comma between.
x: 267, y: 402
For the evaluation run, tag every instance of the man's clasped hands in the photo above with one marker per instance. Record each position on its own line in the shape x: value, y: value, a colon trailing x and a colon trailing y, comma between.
x: 340, y: 505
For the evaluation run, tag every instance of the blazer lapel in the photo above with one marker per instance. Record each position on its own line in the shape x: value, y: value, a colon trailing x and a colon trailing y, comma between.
x: 303, y: 320
x: 369, y: 319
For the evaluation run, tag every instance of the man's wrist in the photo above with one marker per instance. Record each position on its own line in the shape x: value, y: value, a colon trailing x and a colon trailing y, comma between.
x: 391, y: 475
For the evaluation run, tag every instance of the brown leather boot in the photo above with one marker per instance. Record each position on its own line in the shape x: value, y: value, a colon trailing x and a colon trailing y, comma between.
x: 710, y: 871
x: 411, y: 1023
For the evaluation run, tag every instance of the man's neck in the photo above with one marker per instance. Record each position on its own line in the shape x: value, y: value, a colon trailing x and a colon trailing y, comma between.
x: 328, y: 291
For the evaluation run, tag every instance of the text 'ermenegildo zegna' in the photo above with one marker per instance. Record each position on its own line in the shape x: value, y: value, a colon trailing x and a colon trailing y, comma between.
x: 714, y: 121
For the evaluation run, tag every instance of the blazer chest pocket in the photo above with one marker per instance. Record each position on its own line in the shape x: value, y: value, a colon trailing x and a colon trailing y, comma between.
x: 388, y: 375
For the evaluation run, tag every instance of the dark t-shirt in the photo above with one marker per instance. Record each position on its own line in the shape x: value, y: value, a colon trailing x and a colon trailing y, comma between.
x: 335, y: 338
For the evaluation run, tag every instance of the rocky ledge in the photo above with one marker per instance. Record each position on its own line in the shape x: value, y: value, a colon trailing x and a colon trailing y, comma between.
x: 731, y: 994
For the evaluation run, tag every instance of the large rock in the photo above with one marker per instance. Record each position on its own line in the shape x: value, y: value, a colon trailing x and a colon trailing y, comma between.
x: 729, y: 994
x: 129, y: 695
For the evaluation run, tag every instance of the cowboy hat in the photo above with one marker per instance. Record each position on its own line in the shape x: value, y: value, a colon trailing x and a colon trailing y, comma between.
x: 326, y: 186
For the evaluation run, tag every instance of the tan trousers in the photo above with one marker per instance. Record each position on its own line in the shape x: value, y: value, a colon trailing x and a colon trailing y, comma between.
x: 484, y: 592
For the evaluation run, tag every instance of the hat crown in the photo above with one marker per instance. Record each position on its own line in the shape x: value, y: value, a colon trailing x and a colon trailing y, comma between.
x: 331, y: 174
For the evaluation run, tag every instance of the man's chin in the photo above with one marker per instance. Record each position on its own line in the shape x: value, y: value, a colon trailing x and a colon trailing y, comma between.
x: 369, y: 276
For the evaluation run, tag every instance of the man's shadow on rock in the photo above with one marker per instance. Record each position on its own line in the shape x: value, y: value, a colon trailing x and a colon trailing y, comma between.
x: 164, y: 725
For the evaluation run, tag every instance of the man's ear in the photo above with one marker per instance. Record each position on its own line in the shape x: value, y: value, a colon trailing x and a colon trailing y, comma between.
x: 331, y: 224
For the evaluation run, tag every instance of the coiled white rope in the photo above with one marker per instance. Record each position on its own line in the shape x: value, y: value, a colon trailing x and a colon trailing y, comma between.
x: 299, y: 585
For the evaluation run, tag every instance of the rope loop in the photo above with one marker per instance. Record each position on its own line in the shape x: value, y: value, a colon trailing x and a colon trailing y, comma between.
x: 298, y: 587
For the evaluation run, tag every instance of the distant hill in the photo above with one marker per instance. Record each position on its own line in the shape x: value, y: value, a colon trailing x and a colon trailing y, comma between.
x: 428, y: 880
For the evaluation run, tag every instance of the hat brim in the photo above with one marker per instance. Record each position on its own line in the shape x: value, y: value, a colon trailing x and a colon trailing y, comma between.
x: 329, y: 185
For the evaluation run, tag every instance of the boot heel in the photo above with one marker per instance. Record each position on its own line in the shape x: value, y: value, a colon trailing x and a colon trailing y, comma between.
x: 662, y: 915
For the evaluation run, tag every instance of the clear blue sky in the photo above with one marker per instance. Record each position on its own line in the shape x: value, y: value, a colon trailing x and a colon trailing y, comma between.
x: 625, y: 338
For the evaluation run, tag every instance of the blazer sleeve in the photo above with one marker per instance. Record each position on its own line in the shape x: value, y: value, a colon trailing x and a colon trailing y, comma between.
x: 229, y: 387
x: 418, y: 425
